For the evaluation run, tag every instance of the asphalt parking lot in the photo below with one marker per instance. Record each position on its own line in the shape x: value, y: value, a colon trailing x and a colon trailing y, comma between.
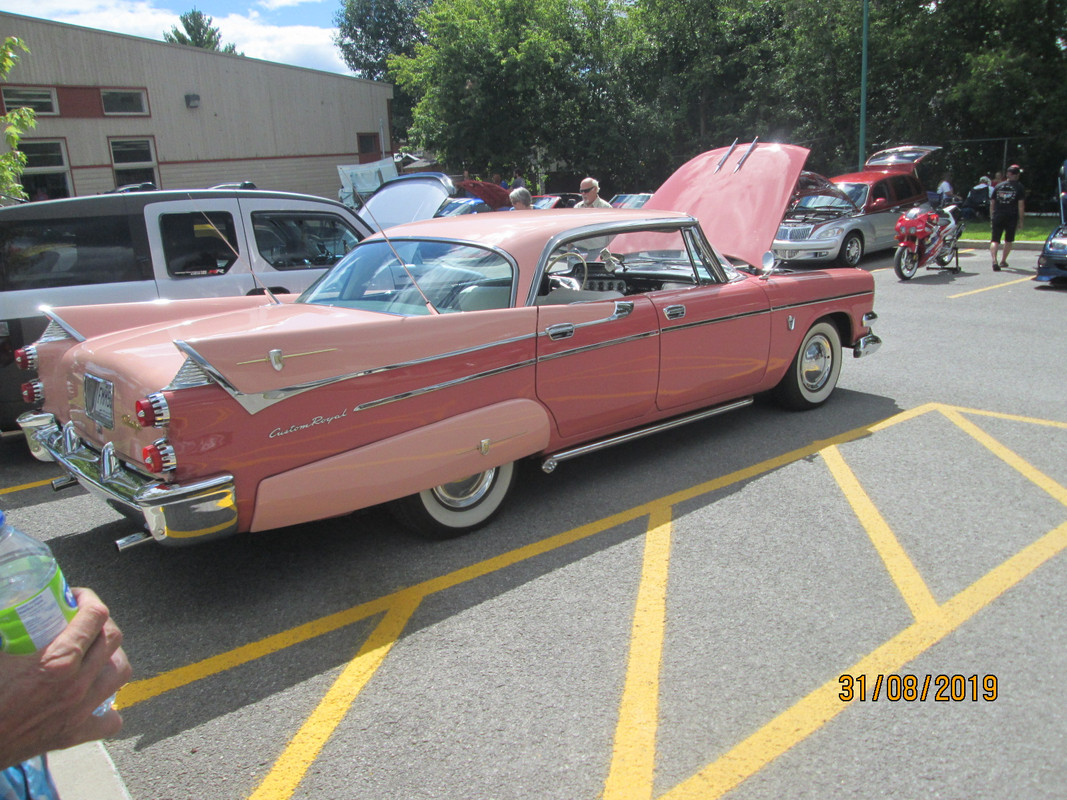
x: 861, y: 601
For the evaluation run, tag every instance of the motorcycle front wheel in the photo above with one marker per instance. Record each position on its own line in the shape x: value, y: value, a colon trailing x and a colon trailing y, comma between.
x: 906, y: 263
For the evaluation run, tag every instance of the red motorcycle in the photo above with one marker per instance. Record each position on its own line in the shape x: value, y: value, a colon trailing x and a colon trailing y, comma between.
x: 928, y: 239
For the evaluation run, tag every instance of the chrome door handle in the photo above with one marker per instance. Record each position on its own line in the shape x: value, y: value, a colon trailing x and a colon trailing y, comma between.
x: 564, y: 330
x: 674, y: 312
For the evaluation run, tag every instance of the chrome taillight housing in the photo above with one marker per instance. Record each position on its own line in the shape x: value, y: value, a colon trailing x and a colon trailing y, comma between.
x: 152, y: 411
x: 26, y: 357
x: 159, y: 456
x: 33, y: 391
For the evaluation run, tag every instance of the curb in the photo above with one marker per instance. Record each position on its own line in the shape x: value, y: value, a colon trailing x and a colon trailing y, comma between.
x: 86, y: 772
x: 976, y: 243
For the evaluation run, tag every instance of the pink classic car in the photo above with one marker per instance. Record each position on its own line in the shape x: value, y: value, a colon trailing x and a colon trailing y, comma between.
x: 427, y: 362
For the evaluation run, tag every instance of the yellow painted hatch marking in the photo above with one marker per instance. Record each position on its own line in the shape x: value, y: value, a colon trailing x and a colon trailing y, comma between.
x: 632, y: 767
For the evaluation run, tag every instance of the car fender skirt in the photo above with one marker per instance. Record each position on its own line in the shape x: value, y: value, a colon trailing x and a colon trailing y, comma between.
x: 410, y: 462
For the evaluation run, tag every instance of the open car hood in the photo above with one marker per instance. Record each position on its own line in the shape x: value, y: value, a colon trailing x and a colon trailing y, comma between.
x: 739, y: 194
x: 812, y: 184
x: 407, y: 199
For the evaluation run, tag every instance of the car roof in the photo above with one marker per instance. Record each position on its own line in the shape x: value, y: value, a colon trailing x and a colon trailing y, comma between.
x: 126, y: 202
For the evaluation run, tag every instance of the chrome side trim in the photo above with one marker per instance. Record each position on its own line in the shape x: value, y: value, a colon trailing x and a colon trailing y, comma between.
x: 701, y: 322
x: 551, y: 462
x: 823, y: 300
x: 254, y: 403
x: 597, y: 346
x: 445, y: 385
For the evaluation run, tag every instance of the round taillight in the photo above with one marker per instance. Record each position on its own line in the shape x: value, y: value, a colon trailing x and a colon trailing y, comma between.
x: 152, y: 411
x: 33, y: 392
x: 26, y: 357
x: 158, y: 456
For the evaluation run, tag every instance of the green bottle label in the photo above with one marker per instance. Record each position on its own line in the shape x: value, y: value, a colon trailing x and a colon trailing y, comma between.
x: 31, y: 625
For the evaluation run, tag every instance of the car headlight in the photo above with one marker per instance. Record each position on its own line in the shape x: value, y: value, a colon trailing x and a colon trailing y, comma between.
x: 830, y: 233
x: 1057, y: 244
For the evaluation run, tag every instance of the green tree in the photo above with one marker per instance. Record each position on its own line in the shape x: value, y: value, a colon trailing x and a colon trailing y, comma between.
x: 16, y: 122
x: 197, y: 31
x: 368, y: 33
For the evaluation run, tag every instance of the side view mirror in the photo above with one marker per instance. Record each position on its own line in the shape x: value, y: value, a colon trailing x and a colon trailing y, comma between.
x: 879, y: 203
x: 768, y: 263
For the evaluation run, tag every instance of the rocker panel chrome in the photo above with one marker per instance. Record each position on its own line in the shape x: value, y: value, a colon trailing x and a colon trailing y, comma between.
x: 551, y: 462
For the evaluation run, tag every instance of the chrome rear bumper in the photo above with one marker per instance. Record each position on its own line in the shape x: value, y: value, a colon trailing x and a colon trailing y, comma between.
x: 866, y: 345
x: 174, y: 514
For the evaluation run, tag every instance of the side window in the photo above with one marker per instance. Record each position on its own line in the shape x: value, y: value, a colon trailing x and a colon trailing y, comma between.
x: 880, y: 190
x: 904, y: 188
x: 199, y: 243
x: 48, y: 253
x: 301, y: 239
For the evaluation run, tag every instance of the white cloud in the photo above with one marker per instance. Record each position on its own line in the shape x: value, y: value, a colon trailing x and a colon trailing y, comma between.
x: 299, y: 45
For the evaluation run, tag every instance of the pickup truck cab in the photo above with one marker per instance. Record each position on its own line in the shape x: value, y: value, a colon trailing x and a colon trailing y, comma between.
x: 147, y: 245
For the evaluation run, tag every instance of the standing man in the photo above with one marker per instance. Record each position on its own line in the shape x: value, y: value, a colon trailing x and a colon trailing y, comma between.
x: 591, y: 198
x: 1006, y: 210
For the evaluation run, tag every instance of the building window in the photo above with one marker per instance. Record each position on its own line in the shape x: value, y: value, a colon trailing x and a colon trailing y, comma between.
x: 42, y: 101
x: 47, y: 174
x: 368, y: 143
x: 134, y: 161
x: 124, y: 101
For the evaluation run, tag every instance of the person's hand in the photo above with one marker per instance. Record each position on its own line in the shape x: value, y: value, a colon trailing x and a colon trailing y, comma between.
x: 47, y: 699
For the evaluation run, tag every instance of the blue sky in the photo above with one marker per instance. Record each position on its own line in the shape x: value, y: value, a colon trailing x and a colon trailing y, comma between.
x: 298, y: 32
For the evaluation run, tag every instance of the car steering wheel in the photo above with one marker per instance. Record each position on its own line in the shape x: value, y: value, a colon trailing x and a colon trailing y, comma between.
x: 562, y: 258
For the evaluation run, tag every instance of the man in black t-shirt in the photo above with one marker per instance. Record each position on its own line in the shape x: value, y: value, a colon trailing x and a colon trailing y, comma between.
x: 1006, y: 209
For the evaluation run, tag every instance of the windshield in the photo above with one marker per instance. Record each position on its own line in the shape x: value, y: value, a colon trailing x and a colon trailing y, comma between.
x: 857, y: 192
x: 823, y: 202
x: 452, y: 277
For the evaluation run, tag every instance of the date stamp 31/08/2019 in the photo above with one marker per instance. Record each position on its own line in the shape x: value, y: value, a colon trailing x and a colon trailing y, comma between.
x: 909, y: 688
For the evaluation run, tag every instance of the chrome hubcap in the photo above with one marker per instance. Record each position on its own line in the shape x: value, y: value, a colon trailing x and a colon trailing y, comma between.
x: 817, y: 362
x: 466, y: 492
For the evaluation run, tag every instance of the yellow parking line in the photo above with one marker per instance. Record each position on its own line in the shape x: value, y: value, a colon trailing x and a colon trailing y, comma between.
x: 1009, y: 457
x: 633, y: 760
x: 291, y: 767
x: 989, y: 288
x: 900, y: 567
x: 823, y: 704
x: 25, y: 486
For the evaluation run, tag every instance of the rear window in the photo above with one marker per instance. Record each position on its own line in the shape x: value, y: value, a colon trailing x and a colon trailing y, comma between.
x: 41, y: 254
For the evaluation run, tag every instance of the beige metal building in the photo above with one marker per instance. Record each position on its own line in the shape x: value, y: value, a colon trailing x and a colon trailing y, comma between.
x: 115, y: 110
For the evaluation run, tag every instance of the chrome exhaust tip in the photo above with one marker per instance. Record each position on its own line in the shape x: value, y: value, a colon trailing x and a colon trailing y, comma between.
x: 134, y: 539
x: 64, y: 482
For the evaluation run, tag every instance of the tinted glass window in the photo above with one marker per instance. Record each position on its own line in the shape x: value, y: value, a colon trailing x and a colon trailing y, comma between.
x: 199, y: 243
x: 38, y: 254
x: 300, y: 240
x: 904, y: 187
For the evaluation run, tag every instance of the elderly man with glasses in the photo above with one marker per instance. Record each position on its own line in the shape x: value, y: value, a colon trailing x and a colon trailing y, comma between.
x: 591, y: 198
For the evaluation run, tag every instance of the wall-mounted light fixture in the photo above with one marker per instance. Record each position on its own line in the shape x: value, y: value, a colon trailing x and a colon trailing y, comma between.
x: 192, y: 101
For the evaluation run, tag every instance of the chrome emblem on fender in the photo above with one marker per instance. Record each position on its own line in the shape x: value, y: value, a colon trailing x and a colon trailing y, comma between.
x: 483, y: 447
x: 277, y: 360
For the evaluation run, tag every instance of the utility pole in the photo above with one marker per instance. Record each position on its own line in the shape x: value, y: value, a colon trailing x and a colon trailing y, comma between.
x: 863, y: 87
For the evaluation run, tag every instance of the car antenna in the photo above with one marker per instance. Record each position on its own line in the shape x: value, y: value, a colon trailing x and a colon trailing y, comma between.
x: 363, y: 207
x: 251, y: 266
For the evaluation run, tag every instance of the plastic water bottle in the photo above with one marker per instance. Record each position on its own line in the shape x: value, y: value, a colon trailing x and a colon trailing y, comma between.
x: 35, y: 601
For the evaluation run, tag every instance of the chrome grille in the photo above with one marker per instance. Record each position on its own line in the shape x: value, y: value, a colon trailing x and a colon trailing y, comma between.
x: 794, y: 233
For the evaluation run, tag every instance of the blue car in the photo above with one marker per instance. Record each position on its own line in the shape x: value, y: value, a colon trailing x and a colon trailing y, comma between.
x: 1052, y: 263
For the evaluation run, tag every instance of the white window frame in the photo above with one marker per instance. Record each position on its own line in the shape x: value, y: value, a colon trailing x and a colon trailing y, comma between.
x: 117, y: 166
x: 51, y: 92
x: 63, y: 170
x: 144, y: 103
